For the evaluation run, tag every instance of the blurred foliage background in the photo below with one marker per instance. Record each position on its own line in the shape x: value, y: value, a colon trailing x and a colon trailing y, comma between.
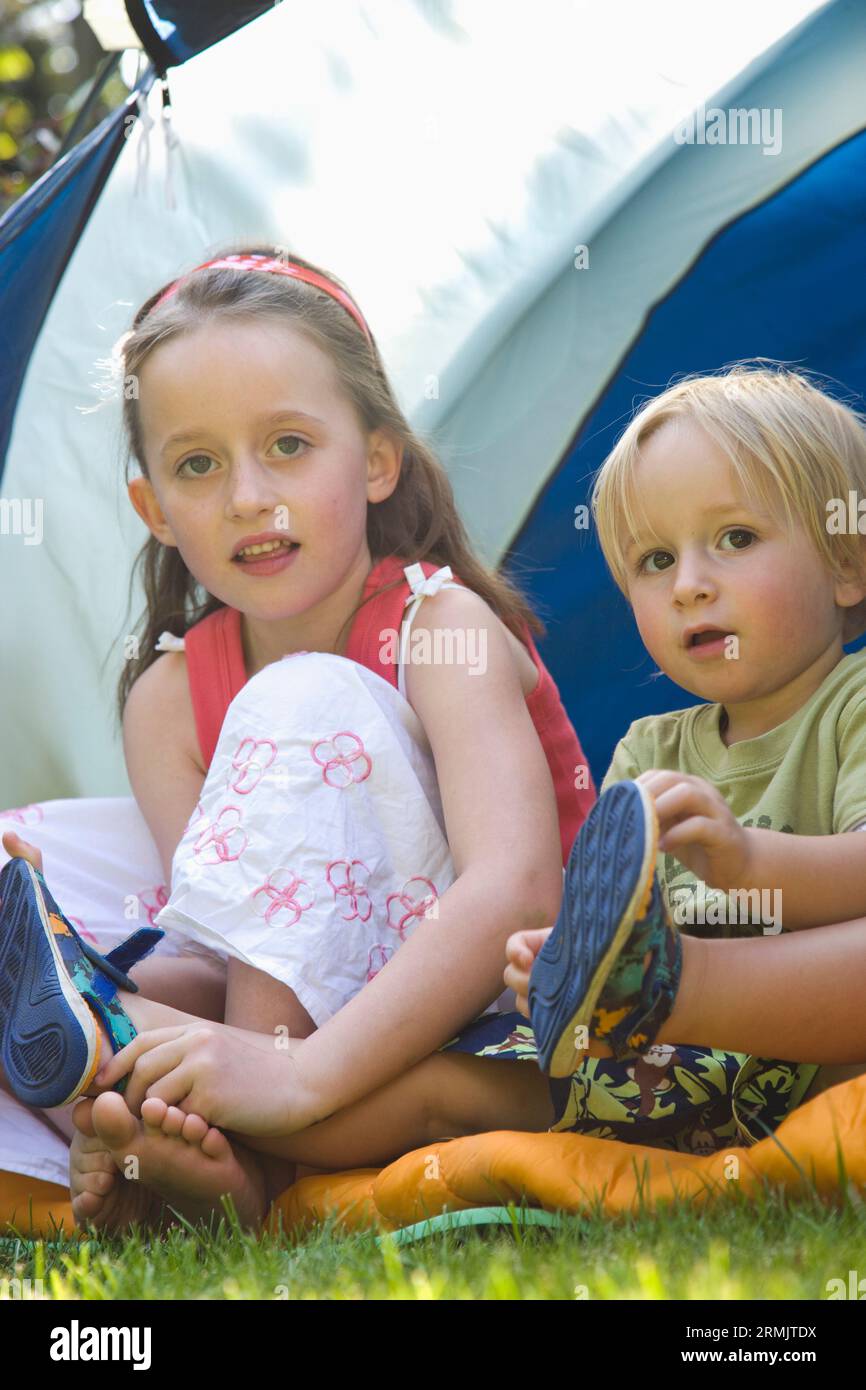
x: 49, y: 59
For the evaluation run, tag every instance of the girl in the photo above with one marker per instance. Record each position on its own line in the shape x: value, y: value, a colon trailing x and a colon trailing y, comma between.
x: 334, y: 845
x: 712, y: 512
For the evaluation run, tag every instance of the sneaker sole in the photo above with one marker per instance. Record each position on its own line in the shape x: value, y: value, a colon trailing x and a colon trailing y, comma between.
x: 609, y: 880
x: 49, y: 1053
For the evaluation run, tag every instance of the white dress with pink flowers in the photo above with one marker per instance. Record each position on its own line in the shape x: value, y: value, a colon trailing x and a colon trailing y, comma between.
x: 318, y: 845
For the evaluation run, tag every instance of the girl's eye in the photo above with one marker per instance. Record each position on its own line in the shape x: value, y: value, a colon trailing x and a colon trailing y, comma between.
x: 196, y: 458
x: 285, y: 438
x: 643, y: 564
x: 740, y: 531
x: 291, y: 453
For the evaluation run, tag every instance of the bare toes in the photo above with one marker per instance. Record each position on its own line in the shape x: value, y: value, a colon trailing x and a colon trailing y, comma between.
x: 194, y: 1129
x: 99, y: 1161
x: 153, y: 1112
x: 86, y: 1206
x: 216, y: 1145
x: 174, y: 1121
x: 82, y: 1118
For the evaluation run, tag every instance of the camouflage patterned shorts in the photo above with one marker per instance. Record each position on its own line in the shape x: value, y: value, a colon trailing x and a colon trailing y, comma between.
x: 691, y: 1099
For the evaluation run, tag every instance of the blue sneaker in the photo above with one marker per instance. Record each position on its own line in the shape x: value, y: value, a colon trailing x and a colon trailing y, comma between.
x: 611, y: 966
x: 53, y: 988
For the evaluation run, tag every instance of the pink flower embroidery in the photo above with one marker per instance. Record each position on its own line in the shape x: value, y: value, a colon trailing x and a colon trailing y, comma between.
x: 220, y: 839
x: 25, y: 815
x: 343, y: 759
x: 348, y: 880
x: 253, y: 756
x: 153, y: 900
x: 410, y: 903
x: 281, y: 896
x: 82, y: 930
x: 379, y: 956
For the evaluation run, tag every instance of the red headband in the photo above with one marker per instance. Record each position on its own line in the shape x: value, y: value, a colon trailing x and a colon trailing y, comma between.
x: 258, y: 261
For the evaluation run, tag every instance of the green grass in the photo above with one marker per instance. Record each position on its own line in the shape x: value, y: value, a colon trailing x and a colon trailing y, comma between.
x: 766, y: 1248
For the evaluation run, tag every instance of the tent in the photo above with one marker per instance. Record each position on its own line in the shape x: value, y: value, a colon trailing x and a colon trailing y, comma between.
x: 535, y: 220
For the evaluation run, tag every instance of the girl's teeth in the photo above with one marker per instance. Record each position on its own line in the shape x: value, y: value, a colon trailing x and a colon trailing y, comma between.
x: 264, y: 549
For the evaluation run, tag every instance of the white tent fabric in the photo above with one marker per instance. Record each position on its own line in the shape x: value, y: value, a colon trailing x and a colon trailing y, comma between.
x: 445, y: 163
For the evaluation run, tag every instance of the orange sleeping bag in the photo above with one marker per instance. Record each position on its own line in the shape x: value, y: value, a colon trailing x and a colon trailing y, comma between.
x: 815, y: 1145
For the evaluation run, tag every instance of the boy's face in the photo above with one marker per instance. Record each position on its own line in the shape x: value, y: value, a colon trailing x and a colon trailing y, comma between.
x: 724, y: 563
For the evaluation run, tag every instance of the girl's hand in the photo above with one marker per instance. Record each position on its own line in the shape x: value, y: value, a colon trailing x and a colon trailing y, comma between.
x: 209, y: 1072
x: 15, y: 847
x: 521, y: 950
x: 696, y: 824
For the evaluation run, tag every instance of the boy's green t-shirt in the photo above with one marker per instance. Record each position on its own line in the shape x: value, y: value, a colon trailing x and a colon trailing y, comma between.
x: 805, y: 777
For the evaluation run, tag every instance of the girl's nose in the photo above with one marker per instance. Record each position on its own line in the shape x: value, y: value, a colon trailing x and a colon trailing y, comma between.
x: 250, y: 487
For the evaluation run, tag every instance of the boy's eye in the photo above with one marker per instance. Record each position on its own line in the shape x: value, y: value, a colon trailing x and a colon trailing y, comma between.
x: 740, y: 532
x: 661, y: 555
x: 655, y: 561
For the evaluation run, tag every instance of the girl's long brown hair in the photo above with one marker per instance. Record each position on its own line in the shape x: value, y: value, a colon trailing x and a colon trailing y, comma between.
x: 419, y: 521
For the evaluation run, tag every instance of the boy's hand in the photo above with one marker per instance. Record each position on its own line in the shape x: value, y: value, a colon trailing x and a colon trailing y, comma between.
x: 696, y: 824
x: 521, y: 950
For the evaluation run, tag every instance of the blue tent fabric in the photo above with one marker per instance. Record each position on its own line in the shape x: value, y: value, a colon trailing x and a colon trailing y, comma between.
x: 745, y: 296
x: 40, y: 232
x: 37, y: 238
x: 173, y: 31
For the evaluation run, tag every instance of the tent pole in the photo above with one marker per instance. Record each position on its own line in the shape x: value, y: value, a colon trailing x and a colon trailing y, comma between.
x: 109, y: 64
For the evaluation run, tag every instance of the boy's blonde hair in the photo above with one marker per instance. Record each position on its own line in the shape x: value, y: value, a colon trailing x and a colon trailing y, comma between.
x: 791, y: 445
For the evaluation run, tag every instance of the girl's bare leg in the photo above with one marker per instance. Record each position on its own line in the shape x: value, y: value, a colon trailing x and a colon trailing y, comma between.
x: 448, y: 1095
x: 191, y: 983
x: 184, y: 1161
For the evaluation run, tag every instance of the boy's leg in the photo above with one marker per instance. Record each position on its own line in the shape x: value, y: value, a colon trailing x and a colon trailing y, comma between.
x: 798, y: 995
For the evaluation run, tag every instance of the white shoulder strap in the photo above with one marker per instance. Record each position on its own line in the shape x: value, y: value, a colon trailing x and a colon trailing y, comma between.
x: 421, y: 587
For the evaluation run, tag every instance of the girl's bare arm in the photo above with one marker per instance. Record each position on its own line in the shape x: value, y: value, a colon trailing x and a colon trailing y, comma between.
x: 502, y: 826
x: 160, y: 747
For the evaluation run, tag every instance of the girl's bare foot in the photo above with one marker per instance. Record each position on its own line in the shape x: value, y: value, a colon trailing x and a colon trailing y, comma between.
x: 98, y: 1191
x: 166, y: 1157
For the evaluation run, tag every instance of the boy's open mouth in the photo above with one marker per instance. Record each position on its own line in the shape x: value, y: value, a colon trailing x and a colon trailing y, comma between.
x: 711, y: 634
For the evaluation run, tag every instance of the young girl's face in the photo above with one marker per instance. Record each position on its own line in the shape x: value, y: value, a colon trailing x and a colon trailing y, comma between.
x: 246, y: 432
x: 716, y: 560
